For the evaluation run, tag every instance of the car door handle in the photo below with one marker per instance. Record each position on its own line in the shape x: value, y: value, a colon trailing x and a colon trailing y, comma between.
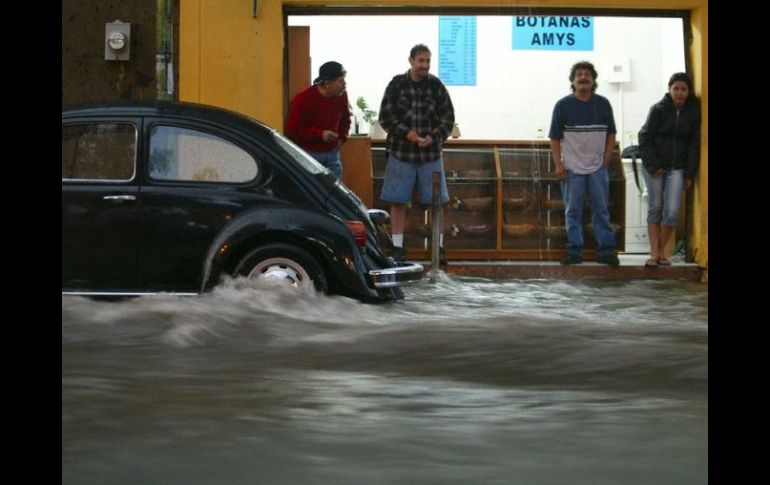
x: 119, y: 197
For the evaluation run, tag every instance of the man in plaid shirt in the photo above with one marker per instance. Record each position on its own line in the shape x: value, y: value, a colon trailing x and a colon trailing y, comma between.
x: 418, y: 115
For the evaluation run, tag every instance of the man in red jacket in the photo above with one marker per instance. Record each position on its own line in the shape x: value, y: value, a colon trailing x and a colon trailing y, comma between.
x: 319, y: 117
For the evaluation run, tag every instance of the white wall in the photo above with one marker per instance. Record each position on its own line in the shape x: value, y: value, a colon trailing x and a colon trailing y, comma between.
x: 516, y: 89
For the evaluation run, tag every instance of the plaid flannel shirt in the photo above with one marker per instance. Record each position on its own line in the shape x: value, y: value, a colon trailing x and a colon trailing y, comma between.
x: 422, y: 106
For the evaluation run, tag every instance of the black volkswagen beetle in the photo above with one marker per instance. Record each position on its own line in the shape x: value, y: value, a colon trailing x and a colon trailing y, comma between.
x: 171, y: 197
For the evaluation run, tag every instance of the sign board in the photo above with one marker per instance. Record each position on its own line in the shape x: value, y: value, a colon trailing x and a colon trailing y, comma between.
x: 553, y: 33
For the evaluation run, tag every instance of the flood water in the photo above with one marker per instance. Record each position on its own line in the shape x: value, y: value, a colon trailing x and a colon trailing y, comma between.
x: 467, y: 381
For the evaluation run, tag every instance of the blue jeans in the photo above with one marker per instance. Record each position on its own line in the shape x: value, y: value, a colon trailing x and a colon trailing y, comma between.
x: 664, y: 196
x: 330, y: 160
x: 573, y: 190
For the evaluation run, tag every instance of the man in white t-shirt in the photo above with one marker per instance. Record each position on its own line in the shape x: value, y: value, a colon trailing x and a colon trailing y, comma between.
x: 582, y: 139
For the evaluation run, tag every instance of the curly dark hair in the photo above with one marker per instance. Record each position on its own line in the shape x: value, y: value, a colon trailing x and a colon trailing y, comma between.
x: 583, y: 65
x: 417, y: 49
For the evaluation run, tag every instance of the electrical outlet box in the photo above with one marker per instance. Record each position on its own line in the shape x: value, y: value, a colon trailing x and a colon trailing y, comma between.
x: 117, y: 41
x: 618, y: 69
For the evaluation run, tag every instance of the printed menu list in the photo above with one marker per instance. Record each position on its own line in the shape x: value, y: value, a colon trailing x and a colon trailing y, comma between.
x: 457, y: 51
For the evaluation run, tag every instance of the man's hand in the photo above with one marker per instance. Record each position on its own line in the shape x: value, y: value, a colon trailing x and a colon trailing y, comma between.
x: 413, y: 137
x: 329, y: 136
x: 561, y: 173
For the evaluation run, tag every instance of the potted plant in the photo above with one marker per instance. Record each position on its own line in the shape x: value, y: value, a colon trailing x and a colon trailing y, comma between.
x: 370, y: 117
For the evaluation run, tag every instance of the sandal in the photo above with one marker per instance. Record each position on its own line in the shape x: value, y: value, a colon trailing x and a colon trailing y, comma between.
x: 664, y: 261
x: 651, y: 263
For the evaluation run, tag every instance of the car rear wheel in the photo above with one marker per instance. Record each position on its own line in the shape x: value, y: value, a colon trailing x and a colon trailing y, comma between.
x: 283, y: 265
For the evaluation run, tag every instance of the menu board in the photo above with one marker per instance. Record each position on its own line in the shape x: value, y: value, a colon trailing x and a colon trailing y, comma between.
x: 457, y: 51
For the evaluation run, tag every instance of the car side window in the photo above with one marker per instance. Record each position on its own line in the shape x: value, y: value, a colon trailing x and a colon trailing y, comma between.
x: 98, y: 151
x: 183, y: 154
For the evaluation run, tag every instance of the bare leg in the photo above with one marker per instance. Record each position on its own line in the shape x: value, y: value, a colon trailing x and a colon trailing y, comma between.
x: 653, y: 232
x: 397, y: 216
x: 665, y: 236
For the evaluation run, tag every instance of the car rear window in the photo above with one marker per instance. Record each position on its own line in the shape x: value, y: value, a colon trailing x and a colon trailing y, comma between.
x: 98, y: 151
x: 299, y: 155
x: 184, y: 154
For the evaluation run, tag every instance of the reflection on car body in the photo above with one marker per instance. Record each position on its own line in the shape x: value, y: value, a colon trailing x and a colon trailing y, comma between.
x: 171, y: 197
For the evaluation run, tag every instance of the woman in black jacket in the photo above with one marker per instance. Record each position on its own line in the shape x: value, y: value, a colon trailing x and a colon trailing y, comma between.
x: 669, y: 143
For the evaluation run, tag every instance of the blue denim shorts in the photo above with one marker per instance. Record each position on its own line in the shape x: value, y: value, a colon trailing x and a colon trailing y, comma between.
x: 664, y: 196
x: 400, y: 179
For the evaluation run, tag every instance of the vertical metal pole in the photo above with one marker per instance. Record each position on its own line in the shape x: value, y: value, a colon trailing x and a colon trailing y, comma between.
x: 164, y: 49
x: 687, y: 195
x: 436, y: 219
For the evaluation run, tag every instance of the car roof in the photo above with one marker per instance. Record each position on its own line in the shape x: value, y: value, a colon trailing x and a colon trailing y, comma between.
x: 173, y: 109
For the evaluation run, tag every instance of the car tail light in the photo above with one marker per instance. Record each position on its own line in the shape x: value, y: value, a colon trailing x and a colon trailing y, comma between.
x: 358, y: 230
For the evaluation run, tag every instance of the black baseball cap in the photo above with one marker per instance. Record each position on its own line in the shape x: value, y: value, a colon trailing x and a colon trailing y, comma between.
x: 328, y: 71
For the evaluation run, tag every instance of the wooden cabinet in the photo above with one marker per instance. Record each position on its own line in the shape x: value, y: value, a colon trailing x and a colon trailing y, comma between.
x: 505, y: 203
x: 531, y: 204
x: 471, y: 217
x: 356, y: 158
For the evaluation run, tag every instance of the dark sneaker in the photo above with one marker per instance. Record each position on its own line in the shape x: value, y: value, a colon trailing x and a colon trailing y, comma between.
x: 442, y: 257
x: 571, y: 259
x: 610, y: 260
x: 399, y: 255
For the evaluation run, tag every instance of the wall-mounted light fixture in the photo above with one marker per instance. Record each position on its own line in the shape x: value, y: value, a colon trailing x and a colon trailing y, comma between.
x: 117, y: 41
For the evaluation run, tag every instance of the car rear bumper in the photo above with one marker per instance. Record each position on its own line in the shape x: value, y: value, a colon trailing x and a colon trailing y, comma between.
x: 390, y: 277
